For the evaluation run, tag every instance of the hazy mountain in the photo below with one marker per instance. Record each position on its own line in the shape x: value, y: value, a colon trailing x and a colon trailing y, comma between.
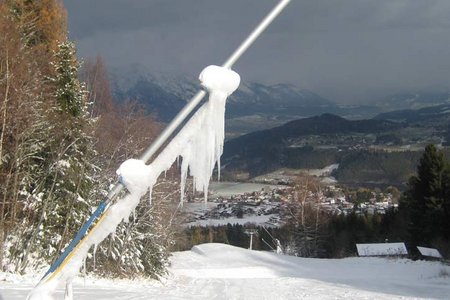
x: 165, y: 95
x: 431, y: 113
x: 414, y: 100
x: 256, y: 106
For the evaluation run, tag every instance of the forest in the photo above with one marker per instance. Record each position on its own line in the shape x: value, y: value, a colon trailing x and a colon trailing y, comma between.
x: 62, y: 136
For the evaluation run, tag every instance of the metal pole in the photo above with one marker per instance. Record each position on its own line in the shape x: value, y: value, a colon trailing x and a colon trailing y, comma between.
x: 256, y: 33
x: 163, y: 137
x: 192, y: 104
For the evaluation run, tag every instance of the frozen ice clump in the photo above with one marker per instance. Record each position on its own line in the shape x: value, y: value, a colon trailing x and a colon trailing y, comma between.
x: 135, y: 175
x: 200, y: 141
x: 219, y: 79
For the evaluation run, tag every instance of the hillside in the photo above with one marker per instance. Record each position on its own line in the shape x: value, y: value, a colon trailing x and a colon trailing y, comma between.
x: 414, y: 100
x: 306, y: 143
x: 326, y: 124
x: 438, y: 113
x: 218, y: 271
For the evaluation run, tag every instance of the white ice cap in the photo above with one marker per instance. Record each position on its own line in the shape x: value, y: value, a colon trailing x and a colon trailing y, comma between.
x: 216, y: 78
x: 135, y: 175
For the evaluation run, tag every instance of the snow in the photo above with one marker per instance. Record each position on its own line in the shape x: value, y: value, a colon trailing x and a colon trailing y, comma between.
x: 135, y: 175
x: 378, y: 249
x: 200, y: 145
x: 263, y: 220
x: 227, y: 189
x: 219, y: 79
x: 121, y: 210
x: 430, y: 252
x: 218, y: 271
x: 323, y: 172
x: 200, y: 141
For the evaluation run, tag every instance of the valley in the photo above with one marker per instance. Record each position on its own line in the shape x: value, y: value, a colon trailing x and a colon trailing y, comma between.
x: 380, y: 151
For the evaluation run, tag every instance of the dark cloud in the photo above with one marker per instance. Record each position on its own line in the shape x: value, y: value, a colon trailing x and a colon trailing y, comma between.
x: 347, y: 50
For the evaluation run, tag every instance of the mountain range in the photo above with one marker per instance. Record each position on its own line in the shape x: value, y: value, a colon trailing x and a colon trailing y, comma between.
x: 166, y: 95
x: 414, y: 100
x: 275, y: 126
x: 256, y: 106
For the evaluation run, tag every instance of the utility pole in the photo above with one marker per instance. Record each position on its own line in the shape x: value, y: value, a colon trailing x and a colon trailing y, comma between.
x: 251, y: 232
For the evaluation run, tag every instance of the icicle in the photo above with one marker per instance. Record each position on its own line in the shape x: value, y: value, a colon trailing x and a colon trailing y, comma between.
x: 94, y: 256
x: 150, y: 192
x: 84, y: 269
x: 68, y: 295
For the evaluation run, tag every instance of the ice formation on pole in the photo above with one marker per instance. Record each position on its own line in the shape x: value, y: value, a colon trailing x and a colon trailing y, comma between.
x: 135, y: 175
x: 199, y: 143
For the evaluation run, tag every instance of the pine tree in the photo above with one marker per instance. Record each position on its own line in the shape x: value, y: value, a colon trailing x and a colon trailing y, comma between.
x: 72, y: 174
x: 70, y: 93
x: 427, y: 198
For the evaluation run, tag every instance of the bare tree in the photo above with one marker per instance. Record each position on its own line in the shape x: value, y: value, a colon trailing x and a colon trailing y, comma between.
x: 306, y: 220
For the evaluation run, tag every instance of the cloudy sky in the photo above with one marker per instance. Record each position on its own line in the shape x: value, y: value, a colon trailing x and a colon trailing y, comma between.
x: 349, y: 51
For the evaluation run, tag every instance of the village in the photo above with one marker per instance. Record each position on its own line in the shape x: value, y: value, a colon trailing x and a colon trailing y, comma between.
x: 268, y: 203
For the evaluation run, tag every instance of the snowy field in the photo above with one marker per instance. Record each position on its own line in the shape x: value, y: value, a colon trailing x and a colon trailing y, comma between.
x: 217, y: 271
x: 264, y: 220
x: 227, y: 189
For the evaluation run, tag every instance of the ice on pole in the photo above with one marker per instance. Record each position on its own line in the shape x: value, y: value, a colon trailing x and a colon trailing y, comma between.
x: 200, y: 168
x: 199, y: 143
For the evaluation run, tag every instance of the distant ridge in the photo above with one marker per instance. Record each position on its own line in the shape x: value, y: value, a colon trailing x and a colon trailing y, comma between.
x: 287, y: 145
x: 256, y: 142
x: 434, y: 113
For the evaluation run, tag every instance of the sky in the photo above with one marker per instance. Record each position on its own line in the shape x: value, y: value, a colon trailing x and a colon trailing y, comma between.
x: 349, y: 51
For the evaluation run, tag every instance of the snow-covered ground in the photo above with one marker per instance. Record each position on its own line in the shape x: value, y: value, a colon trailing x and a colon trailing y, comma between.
x: 227, y: 189
x: 323, y: 172
x: 263, y: 220
x: 217, y: 271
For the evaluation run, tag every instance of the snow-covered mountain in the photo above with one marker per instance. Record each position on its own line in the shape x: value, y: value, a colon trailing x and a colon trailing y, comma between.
x: 166, y: 94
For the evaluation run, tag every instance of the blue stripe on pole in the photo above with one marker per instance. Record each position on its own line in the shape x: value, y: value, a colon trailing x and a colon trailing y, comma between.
x: 81, y: 233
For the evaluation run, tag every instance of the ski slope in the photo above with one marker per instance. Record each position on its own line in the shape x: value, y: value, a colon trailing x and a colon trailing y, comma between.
x: 218, y: 271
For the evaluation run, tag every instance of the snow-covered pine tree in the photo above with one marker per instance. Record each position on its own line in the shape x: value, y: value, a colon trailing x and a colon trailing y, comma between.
x: 139, y: 246
x: 70, y: 180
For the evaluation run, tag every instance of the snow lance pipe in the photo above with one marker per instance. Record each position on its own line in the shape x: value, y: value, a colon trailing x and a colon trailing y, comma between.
x: 194, y: 102
x: 163, y: 137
